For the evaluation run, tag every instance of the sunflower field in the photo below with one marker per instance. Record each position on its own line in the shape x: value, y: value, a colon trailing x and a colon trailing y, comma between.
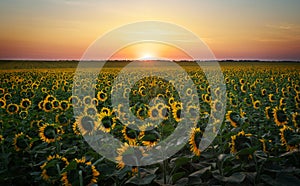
x: 42, y: 141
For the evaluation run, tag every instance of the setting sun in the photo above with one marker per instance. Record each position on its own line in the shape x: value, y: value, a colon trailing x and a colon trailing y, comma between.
x: 150, y: 51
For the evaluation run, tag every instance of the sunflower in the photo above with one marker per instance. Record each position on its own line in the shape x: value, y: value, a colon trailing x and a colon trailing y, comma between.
x: 207, y: 98
x: 47, y: 106
x: 87, y: 100
x: 151, y: 136
x: 244, y: 88
x: 264, y: 144
x: 164, y: 112
x: 55, y: 104
x: 269, y: 112
x: 2, y: 103
x: 23, y: 114
x: 2, y: 91
x: 50, y: 169
x: 194, y: 141
x: 74, y: 101
x: 233, y: 118
x: 171, y: 100
x: 242, y: 81
x: 142, y: 112
x: 86, y: 124
x: 282, y: 102
x: 12, y: 108
x: 193, y: 112
x: 62, y: 119
x: 153, y: 113
x: 108, y: 121
x: 256, y: 104
x: 22, y: 142
x: 239, y: 142
x: 176, y: 113
x: 50, y: 133
x: 286, y: 138
x: 129, y: 155
x: 263, y: 92
x: 49, y: 98
x: 280, y: 116
x: 91, y: 110
x: 88, y: 171
x: 131, y: 133
x: 102, y: 96
x: 233, y: 102
x: 271, y: 98
x: 94, y: 101
x: 296, y: 119
x: 64, y: 105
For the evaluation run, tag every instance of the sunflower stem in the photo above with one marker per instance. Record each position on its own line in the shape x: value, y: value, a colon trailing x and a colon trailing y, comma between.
x: 165, y: 171
x: 80, y: 178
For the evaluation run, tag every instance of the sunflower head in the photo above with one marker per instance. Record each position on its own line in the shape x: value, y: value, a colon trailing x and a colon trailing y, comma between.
x: 108, y: 121
x: 296, y: 120
x: 12, y: 108
x: 280, y: 116
x: 129, y: 155
x: 194, y: 141
x: 256, y: 104
x: 233, y: 118
x: 286, y: 138
x: 50, y: 168
x: 150, y: 135
x: 50, y: 133
x: 22, y: 141
x: 86, y: 124
x: 83, y: 169
x: 239, y: 142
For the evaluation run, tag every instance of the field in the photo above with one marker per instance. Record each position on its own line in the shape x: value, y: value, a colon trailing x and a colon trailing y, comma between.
x: 43, y: 142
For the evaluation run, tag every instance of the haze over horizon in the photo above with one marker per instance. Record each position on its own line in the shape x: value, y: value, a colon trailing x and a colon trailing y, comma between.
x: 234, y: 29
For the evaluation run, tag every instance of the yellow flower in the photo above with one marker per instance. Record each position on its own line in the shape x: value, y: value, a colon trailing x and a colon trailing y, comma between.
x: 50, y: 171
x: 129, y: 155
x: 286, y: 136
x: 280, y: 116
x: 296, y: 120
x: 150, y: 135
x: 194, y: 141
x: 50, y: 133
x: 256, y: 104
x: 89, y: 173
x: 233, y: 118
x: 239, y: 141
x: 86, y: 124
x: 22, y: 142
x: 108, y: 122
x: 102, y: 96
x: 12, y: 108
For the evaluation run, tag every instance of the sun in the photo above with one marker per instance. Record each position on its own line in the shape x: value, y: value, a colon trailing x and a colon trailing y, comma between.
x: 147, y: 56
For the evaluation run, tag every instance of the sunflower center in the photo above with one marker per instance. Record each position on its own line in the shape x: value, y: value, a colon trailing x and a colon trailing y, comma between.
x: 281, y: 116
x: 107, y: 122
x: 50, y: 132
x: 87, y: 123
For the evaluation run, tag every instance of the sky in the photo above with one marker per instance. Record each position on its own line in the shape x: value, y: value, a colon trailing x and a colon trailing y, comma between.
x: 231, y: 29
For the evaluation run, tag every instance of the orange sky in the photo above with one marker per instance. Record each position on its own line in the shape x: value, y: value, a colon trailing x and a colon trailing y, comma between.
x: 233, y: 29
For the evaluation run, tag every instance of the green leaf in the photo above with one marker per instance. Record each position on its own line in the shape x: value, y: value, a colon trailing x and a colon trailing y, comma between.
x: 177, y: 176
x: 182, y: 182
x: 180, y: 161
x: 247, y: 151
x: 234, y: 178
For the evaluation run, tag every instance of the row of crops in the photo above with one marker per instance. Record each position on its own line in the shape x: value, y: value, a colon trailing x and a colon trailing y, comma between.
x: 43, y: 142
